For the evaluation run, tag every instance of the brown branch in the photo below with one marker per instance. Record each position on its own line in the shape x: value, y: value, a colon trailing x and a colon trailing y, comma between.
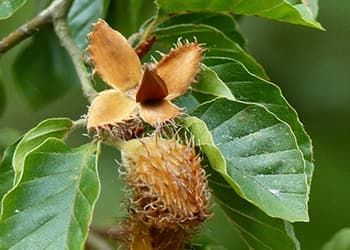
x: 28, y: 29
x: 74, y: 52
x: 56, y: 13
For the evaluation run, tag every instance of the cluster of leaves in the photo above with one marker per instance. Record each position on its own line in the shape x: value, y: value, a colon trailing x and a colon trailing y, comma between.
x: 259, y: 154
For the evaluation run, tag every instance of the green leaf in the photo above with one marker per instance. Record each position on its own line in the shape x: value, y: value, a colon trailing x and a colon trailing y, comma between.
x: 340, y: 241
x: 127, y: 16
x: 54, y: 127
x: 52, y: 74
x: 223, y: 22
x: 8, y: 7
x: 2, y: 99
x: 7, y: 173
x: 51, y: 206
x: 258, y: 230
x: 247, y: 87
x: 312, y: 5
x: 308, y: 7
x: 257, y: 155
x: 209, y: 83
x: 215, y: 41
x: 279, y: 10
x: 81, y: 15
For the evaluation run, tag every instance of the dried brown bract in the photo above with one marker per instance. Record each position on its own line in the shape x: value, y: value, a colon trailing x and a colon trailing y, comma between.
x: 145, y: 91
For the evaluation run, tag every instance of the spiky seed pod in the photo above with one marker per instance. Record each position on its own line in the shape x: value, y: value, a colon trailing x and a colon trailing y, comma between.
x: 169, y: 186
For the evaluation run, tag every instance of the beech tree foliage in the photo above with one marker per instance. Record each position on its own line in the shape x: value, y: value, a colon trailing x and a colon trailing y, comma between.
x: 181, y: 82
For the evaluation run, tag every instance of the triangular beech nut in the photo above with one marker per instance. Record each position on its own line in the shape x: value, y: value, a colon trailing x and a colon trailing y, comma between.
x: 152, y: 87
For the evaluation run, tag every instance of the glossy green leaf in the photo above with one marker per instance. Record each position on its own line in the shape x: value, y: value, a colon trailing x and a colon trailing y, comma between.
x: 215, y: 41
x: 188, y: 102
x: 209, y: 83
x: 2, y: 99
x: 51, y: 206
x: 82, y: 14
x: 257, y: 155
x: 295, y: 12
x: 7, y: 173
x: 54, y: 127
x: 258, y: 230
x: 8, y: 7
x: 340, y: 241
x: 52, y: 74
x: 247, y: 87
x: 223, y: 22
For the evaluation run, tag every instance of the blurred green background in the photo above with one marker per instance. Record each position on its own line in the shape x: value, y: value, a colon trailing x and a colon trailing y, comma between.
x: 311, y: 67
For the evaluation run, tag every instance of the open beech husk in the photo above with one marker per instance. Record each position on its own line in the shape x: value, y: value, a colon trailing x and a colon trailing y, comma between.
x: 145, y: 91
x: 169, y: 186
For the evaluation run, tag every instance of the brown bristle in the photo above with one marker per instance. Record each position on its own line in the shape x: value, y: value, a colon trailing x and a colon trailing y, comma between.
x: 169, y: 186
x: 125, y: 130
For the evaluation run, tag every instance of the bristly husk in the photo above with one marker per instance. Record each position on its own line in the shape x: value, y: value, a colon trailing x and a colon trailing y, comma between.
x: 169, y: 186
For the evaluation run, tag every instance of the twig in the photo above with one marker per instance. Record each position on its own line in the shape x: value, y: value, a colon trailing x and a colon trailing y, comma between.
x: 55, y: 13
x: 31, y: 27
x: 62, y: 32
